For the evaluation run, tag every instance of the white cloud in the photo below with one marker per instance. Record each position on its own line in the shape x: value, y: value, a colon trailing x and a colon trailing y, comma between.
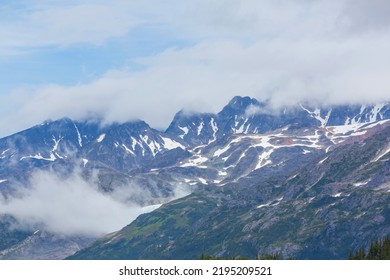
x: 285, y: 51
x: 70, y: 206
x: 361, y: 16
x: 65, y: 23
x: 284, y: 71
x: 253, y: 110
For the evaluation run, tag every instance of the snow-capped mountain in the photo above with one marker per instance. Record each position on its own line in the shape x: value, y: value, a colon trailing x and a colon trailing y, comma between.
x: 242, y: 145
x: 122, y: 147
x: 135, y: 144
x: 131, y: 145
x: 194, y: 129
x: 243, y: 138
x: 59, y: 140
x: 245, y: 115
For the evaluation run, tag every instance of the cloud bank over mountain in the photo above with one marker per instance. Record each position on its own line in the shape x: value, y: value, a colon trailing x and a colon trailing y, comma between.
x: 283, y: 51
x: 71, y: 206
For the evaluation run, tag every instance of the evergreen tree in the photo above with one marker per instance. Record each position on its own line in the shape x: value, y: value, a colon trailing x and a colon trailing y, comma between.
x: 378, y: 250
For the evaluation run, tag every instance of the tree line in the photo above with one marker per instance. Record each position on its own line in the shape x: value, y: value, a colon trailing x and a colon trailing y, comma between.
x: 378, y: 250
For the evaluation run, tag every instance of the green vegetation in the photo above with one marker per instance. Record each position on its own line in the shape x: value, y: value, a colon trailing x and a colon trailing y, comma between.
x: 207, y: 258
x: 275, y: 256
x: 379, y: 250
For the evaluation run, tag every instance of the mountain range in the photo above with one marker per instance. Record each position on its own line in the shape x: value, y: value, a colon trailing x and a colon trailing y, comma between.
x: 306, y: 182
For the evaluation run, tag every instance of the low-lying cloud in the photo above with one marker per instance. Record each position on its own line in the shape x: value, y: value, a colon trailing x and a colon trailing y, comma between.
x: 70, y: 206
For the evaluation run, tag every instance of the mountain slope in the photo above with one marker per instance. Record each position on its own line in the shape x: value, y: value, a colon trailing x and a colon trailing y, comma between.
x: 45, y: 246
x: 235, y: 160
x: 333, y: 205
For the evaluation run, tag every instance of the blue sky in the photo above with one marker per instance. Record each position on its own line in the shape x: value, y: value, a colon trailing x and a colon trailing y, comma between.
x: 149, y: 59
x: 78, y: 61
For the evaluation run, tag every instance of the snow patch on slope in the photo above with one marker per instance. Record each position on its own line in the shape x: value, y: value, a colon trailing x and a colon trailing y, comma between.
x: 221, y: 151
x: 128, y: 150
x: 39, y: 156
x: 317, y: 115
x: 78, y: 135
x: 56, y: 143
x: 203, y: 181
x: 382, y: 153
x: 322, y: 161
x: 171, y: 144
x: 197, y: 161
x: 264, y: 159
x: 375, y: 114
x: 185, y: 130
x: 200, y: 128
x: 214, y: 128
x: 101, y: 138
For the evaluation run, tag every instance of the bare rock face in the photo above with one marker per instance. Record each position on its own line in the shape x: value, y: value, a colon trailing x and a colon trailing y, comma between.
x: 45, y: 246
